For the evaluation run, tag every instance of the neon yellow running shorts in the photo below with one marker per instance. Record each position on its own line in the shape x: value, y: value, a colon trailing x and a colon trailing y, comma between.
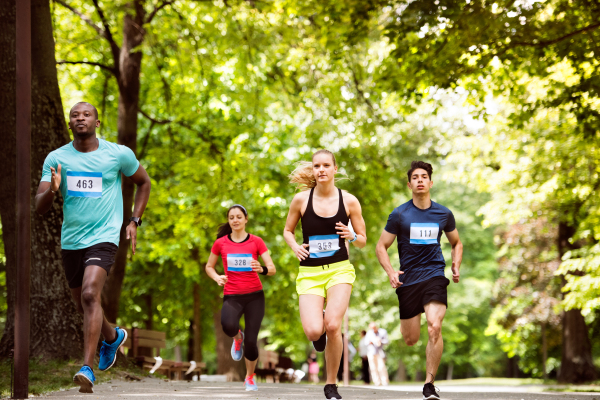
x: 317, y: 280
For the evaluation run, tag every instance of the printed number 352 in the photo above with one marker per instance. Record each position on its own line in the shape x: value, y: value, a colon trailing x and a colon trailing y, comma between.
x: 83, y: 184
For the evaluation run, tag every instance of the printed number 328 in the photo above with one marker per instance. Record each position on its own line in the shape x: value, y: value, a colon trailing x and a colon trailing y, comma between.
x: 82, y: 183
x: 240, y: 262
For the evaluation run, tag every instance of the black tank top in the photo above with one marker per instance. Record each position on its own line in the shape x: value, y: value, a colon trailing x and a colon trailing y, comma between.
x: 326, y: 246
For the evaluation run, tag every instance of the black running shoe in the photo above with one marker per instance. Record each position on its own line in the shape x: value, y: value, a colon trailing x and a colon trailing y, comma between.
x: 430, y: 392
x: 320, y: 344
x: 331, y: 392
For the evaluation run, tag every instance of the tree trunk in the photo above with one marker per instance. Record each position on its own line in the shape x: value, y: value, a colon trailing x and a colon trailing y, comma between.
x: 577, y: 364
x: 197, y: 354
x: 55, y: 323
x: 235, y: 370
x: 128, y: 80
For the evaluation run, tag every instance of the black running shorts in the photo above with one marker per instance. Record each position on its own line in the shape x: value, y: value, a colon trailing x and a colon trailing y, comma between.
x: 413, y: 298
x: 75, y: 261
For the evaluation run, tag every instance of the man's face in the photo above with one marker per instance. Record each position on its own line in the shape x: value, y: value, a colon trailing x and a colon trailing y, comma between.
x: 82, y: 120
x: 419, y: 182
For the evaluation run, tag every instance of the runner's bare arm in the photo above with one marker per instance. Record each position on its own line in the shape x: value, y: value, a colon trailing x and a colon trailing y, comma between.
x: 268, y: 263
x: 142, y: 194
x: 300, y: 251
x: 212, y: 273
x: 47, y: 191
x: 358, y: 223
x: 457, y: 251
x: 384, y: 243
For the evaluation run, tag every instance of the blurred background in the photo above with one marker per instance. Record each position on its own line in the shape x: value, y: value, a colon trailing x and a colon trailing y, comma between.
x: 219, y: 100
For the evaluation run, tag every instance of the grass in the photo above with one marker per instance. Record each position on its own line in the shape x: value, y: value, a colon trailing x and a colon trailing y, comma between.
x: 51, y: 376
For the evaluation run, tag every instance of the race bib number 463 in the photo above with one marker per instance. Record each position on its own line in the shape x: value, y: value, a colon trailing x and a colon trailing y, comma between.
x: 84, y: 184
x: 239, y: 262
x: 424, y: 233
x: 321, y: 246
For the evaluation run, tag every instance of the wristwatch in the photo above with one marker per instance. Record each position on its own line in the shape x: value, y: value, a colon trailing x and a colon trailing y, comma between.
x: 354, y: 239
x: 138, y: 221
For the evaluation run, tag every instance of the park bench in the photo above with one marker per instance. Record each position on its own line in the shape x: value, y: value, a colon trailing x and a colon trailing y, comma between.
x: 144, y: 349
x: 271, y: 366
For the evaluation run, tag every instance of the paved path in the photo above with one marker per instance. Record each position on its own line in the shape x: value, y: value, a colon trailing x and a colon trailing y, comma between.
x: 152, y: 388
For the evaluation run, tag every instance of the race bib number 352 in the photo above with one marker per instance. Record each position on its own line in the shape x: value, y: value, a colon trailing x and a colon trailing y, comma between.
x: 321, y: 246
x: 84, y: 184
x: 424, y: 233
x: 239, y: 262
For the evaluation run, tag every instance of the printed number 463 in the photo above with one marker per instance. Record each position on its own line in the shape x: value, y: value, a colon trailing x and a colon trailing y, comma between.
x: 83, y: 184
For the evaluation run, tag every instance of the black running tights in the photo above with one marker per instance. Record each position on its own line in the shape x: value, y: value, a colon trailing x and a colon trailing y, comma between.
x: 252, y: 305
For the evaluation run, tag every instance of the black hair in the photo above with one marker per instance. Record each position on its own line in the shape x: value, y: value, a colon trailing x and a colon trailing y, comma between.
x: 225, y: 229
x: 91, y: 105
x: 422, y: 165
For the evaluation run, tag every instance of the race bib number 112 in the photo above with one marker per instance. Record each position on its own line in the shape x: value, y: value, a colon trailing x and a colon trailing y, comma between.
x: 84, y: 184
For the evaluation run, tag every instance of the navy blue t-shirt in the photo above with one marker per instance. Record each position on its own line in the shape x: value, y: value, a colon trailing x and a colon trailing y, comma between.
x: 418, y: 233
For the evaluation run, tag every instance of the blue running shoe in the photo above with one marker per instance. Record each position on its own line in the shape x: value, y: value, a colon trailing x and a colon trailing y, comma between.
x: 85, y: 379
x: 237, y: 348
x: 108, y: 352
x: 250, y: 384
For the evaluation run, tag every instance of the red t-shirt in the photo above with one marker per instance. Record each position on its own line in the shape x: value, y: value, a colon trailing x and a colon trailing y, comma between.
x: 241, y: 279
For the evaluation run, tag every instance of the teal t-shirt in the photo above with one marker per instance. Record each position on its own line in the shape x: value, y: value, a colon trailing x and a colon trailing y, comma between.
x: 91, y: 189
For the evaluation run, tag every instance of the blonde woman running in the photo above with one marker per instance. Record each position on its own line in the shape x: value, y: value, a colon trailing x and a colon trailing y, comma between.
x: 325, y: 272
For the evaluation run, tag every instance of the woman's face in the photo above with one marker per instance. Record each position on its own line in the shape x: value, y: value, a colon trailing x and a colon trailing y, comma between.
x: 237, y: 219
x: 323, y: 168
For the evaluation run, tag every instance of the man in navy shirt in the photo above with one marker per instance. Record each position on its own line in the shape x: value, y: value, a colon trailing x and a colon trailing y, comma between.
x: 421, y: 284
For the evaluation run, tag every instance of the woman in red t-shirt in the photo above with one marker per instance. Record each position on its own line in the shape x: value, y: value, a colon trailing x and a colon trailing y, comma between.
x: 242, y: 292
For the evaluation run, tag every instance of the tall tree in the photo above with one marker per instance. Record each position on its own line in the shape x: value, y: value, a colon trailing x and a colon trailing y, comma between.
x: 55, y: 323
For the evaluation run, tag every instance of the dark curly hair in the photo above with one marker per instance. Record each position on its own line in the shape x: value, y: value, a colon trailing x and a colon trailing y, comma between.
x: 422, y: 165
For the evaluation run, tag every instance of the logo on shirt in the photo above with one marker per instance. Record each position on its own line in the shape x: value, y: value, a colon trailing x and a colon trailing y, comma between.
x: 425, y: 233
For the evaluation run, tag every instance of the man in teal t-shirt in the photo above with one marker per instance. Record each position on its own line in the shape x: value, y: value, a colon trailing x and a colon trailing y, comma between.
x: 87, y: 172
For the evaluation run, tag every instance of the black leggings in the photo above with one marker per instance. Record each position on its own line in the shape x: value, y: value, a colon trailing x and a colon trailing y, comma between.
x: 252, y: 305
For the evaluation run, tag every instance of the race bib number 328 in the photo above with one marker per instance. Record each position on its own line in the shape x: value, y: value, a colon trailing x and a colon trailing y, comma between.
x: 239, y: 262
x: 426, y: 233
x: 84, y: 184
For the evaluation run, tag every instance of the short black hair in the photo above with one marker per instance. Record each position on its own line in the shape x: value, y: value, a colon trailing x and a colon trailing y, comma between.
x: 85, y: 102
x: 422, y: 165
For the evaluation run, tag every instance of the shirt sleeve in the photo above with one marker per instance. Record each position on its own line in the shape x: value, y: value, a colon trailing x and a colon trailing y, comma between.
x: 216, y: 248
x: 262, y: 247
x: 393, y: 223
x: 450, y: 223
x: 129, y: 164
x: 50, y: 161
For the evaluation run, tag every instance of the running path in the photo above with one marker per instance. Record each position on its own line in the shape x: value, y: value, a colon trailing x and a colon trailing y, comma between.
x: 151, y: 388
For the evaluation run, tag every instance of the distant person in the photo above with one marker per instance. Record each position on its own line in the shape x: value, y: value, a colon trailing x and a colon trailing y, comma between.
x: 376, y: 338
x: 325, y: 271
x: 243, y: 292
x: 313, y: 368
x: 363, y: 353
x: 87, y: 173
x: 420, y: 284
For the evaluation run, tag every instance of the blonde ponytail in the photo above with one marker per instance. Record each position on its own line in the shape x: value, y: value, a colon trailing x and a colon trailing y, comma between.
x: 303, y: 177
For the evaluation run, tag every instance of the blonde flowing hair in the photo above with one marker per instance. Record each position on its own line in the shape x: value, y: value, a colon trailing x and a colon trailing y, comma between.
x: 302, y: 176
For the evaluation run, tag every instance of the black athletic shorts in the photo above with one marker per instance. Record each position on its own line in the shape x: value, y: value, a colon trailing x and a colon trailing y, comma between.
x: 75, y: 261
x: 413, y: 298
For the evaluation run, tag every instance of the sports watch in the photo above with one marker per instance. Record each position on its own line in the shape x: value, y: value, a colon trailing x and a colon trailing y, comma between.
x: 354, y: 239
x: 138, y: 221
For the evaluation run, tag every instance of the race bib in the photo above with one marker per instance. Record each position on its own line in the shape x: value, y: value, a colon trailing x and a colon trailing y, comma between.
x: 239, y: 262
x: 84, y: 184
x: 321, y: 246
x: 424, y: 233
